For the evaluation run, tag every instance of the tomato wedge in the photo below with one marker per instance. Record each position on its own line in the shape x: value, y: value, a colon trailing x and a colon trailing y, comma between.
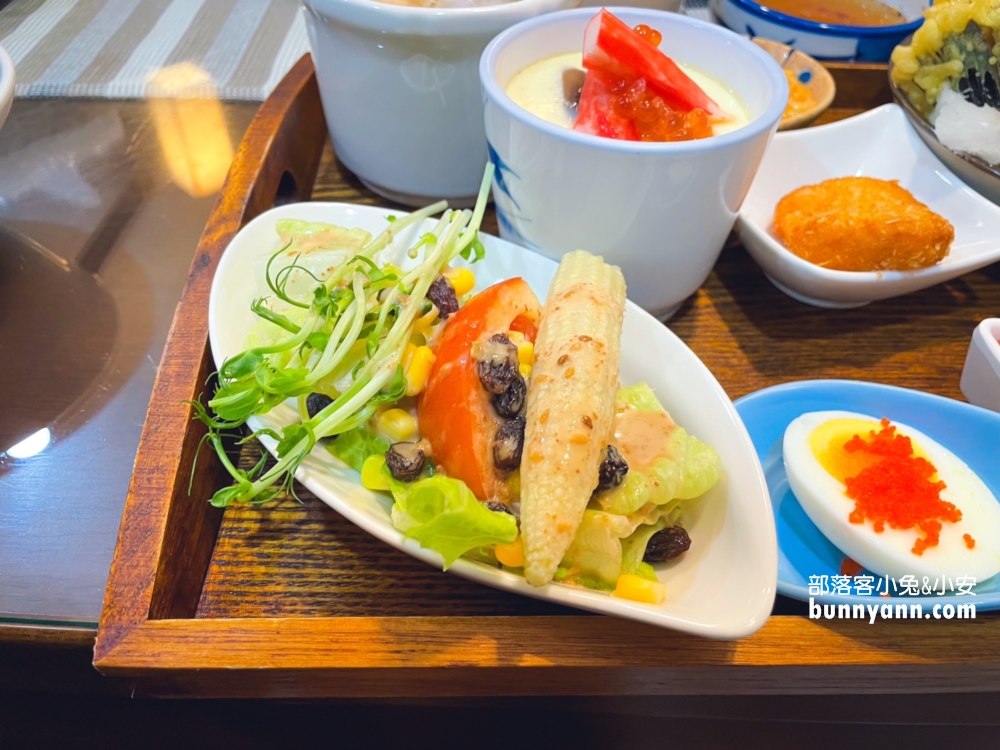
x: 596, y: 112
x: 454, y: 410
x: 610, y: 46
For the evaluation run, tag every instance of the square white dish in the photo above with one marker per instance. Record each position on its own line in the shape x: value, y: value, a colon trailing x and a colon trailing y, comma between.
x: 880, y: 143
x: 723, y: 587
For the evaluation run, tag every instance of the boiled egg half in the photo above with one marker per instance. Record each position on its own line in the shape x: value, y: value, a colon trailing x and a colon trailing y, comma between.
x: 816, y: 464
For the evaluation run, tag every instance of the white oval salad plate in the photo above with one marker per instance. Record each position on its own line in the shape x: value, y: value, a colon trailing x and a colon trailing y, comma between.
x: 882, y: 144
x: 723, y: 587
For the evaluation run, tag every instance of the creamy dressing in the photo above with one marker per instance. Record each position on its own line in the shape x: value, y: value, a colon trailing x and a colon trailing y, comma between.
x: 641, y: 436
x: 538, y: 88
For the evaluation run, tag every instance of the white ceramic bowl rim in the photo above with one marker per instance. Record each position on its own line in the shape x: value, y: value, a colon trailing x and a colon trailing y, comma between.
x: 764, y: 121
x: 6, y: 76
x: 390, y: 18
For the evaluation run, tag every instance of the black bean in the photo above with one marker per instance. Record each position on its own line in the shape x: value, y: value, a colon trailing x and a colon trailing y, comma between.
x: 667, y: 544
x: 442, y: 294
x: 317, y: 402
x: 497, y: 366
x: 405, y: 461
x: 510, y: 403
x: 508, y: 444
x: 612, y: 472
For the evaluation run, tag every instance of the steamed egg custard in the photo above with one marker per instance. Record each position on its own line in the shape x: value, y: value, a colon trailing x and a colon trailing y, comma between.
x: 542, y: 89
x: 892, y: 498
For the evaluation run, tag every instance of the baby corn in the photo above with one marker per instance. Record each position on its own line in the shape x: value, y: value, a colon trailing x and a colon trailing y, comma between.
x: 571, y: 401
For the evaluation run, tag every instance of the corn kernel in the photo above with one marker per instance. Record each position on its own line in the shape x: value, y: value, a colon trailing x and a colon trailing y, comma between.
x: 397, y: 424
x: 526, y: 353
x: 419, y: 370
x: 372, y: 477
x: 525, y: 370
x: 640, y: 589
x: 462, y: 279
x: 511, y: 555
x: 516, y: 337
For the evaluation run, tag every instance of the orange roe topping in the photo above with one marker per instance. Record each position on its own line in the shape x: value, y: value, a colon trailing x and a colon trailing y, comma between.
x: 849, y: 568
x: 652, y: 36
x: 897, y: 489
x: 653, y: 117
x: 969, y: 541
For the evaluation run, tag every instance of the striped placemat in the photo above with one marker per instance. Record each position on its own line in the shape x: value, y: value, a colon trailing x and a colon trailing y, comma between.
x: 109, y: 48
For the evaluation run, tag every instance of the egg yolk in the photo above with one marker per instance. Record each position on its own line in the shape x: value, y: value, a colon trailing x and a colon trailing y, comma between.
x: 889, y: 478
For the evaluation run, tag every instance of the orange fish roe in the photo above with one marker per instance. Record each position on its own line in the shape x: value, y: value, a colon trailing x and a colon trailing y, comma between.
x: 969, y: 541
x: 897, y: 490
x: 849, y: 568
x: 653, y: 118
x: 651, y: 35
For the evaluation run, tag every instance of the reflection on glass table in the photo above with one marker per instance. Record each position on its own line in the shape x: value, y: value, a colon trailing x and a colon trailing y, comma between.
x: 102, y: 204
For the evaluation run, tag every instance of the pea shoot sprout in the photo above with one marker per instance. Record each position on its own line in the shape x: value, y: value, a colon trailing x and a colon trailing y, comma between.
x: 360, y: 317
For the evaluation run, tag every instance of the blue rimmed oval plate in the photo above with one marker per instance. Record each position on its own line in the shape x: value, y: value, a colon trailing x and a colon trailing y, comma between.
x: 971, y: 433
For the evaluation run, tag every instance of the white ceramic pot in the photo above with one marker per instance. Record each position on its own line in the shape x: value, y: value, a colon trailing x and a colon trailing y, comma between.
x: 400, y: 89
x: 662, y: 211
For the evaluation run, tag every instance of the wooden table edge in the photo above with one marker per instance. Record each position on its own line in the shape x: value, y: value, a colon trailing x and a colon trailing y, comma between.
x: 585, y: 655
x: 49, y: 635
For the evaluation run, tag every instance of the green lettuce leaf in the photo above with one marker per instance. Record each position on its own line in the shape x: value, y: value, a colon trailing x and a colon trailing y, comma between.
x: 597, y: 548
x: 686, y: 469
x: 634, y: 547
x: 316, y: 235
x: 442, y: 514
x: 354, y: 446
x: 316, y: 249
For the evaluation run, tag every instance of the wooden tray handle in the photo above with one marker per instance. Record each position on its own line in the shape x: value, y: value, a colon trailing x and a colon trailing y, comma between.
x: 277, y: 161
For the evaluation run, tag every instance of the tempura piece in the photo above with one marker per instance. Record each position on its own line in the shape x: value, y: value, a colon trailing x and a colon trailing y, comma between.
x: 957, y: 47
x: 571, y: 401
x: 861, y: 224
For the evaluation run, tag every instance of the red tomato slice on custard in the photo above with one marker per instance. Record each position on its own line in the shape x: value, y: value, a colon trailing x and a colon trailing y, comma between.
x: 454, y: 410
x: 596, y: 114
x: 610, y: 46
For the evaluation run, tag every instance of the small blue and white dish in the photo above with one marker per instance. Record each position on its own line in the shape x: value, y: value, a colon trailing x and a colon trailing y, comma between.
x: 825, y: 41
x: 970, y: 432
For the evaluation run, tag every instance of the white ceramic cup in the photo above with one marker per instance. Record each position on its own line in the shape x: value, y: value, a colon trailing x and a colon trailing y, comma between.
x: 400, y: 90
x: 661, y: 211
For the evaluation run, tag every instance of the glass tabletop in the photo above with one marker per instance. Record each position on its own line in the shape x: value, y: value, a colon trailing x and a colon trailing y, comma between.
x: 102, y: 204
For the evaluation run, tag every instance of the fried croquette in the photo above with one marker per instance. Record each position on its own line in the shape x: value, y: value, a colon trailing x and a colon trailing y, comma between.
x: 861, y: 224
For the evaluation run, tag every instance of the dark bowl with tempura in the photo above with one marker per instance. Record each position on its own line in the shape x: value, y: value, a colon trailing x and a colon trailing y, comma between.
x: 949, y: 67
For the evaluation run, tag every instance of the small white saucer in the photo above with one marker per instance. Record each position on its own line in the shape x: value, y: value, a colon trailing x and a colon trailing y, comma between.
x: 880, y: 143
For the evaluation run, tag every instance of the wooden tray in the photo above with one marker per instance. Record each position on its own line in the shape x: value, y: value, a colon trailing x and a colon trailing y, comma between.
x: 292, y: 600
